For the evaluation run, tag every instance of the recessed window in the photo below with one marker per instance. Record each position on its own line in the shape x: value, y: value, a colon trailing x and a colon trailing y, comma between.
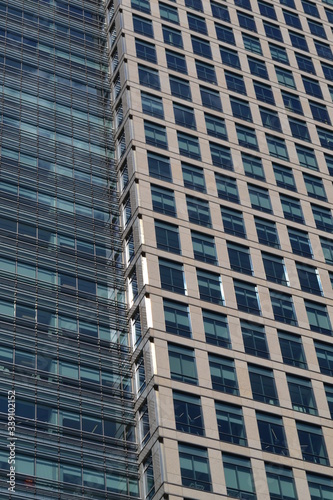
x: 201, y: 47
x: 273, y: 31
x: 254, y: 339
x: 246, y: 21
x: 172, y: 276
x: 272, y: 435
x: 177, y: 318
x: 317, y: 29
x: 220, y: 11
x: 312, y: 443
x: 275, y: 269
x: 283, y: 308
x: 240, y: 109
x: 284, y: 177
x: 315, y: 187
x: 306, y: 157
x: 267, y: 10
x: 292, y: 209
x: 298, y: 41
x: 292, y: 349
x: 318, y: 317
x: 323, y: 218
x: 238, y: 476
x: 235, y: 82
x: 292, y: 19
x: 233, y: 222
x: 267, y: 232
x: 260, y: 199
x: 280, y: 482
x: 146, y: 51
x: 301, y: 395
x: 149, y: 77
x: 152, y: 105
x: 225, y: 34
x: 227, y: 188
x: 319, y: 112
x: 193, y: 177
x: 239, y: 257
x: 230, y: 57
x: 278, y: 54
x: 210, y: 98
x: 176, y: 61
x: 247, y: 297
x: 216, y: 126
x: 184, y: 116
x: 247, y: 137
x: 320, y: 487
x: 188, y: 413
x: 285, y: 77
x: 143, y: 26
x: 210, y: 287
x: 171, y: 36
x: 299, y: 129
x: 163, y: 200
x: 182, y: 364
x: 312, y: 87
x: 270, y: 119
x: 252, y: 44
x: 230, y: 423
x: 223, y: 375
x: 197, y: 23
x: 305, y: 63
x: 194, y: 467
x: 264, y: 93
x: 167, y: 237
x: 263, y: 385
x: 168, y: 13
x: 204, y: 248
x: 323, y: 50
x: 180, y: 88
x: 206, y: 72
x: 156, y: 135
x: 221, y: 156
x: 292, y: 102
x: 198, y: 211
x: 159, y: 166
x: 300, y: 243
x: 216, y: 329
x: 188, y: 145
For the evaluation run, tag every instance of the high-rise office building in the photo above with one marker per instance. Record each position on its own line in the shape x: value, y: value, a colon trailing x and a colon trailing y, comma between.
x: 63, y: 341
x: 224, y: 143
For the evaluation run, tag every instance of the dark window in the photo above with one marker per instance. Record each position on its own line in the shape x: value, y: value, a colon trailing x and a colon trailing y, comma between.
x: 238, y: 477
x: 241, y: 109
x: 305, y: 63
x: 194, y: 467
x: 149, y: 77
x: 201, y: 47
x: 142, y: 5
x: 260, y: 199
x: 188, y: 414
x: 210, y: 98
x: 176, y: 61
x: 299, y: 129
x: 233, y: 222
x: 184, y: 116
x: 298, y: 41
x: 197, y: 23
x: 193, y: 178
x: 171, y: 36
x: 146, y: 51
x: 292, y: 102
x: 159, y: 166
x: 235, y: 82
x: 312, y: 443
x: 327, y: 247
x: 280, y: 482
x: 216, y: 126
x: 273, y: 31
x: 319, y: 112
x: 230, y: 57
x: 292, y: 209
x: 306, y: 157
x: 318, y: 317
x: 320, y: 487
x: 292, y: 350
x: 167, y: 237
x: 194, y: 4
x: 230, y: 423
x: 263, y: 385
x: 284, y: 177
x: 267, y: 10
x: 325, y: 137
x: 210, y: 287
x: 227, y: 188
x: 272, y: 435
x: 188, y: 145
x: 143, y: 26
x: 317, y: 29
x: 285, y: 77
x: 264, y: 93
x: 325, y: 358
x: 315, y: 187
x: 206, y: 72
x: 254, y: 339
x: 274, y: 269
x: 253, y: 166
x: 310, y: 8
x: 323, y: 50
x: 277, y: 147
x: 300, y: 243
x: 172, y: 276
x: 198, y: 211
x: 239, y: 257
x: 301, y: 395
x: 156, y: 135
x: 247, y: 137
x: 328, y: 71
x: 225, y: 34
x: 220, y: 11
x: 323, y: 218
x: 223, y: 375
x: 176, y: 317
x: 152, y: 105
x: 279, y: 54
x: 292, y: 19
x: 246, y: 21
x: 216, y: 329
x: 204, y: 248
x: 252, y: 44
x: 247, y: 297
x: 182, y: 364
x: 243, y: 3
x: 221, y: 156
x: 163, y: 201
x: 270, y: 119
x: 312, y: 87
x: 329, y: 397
x: 267, y: 233
x: 283, y: 308
x: 180, y: 88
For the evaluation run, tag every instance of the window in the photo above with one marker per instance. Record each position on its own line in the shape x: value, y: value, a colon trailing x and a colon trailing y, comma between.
x: 325, y: 358
x: 168, y: 13
x: 264, y: 93
x: 280, y: 482
x: 299, y: 129
x: 210, y: 98
x: 204, y: 248
x: 176, y: 61
x: 285, y: 77
x: 210, y: 288
x: 198, y: 211
x: 298, y: 41
x: 323, y: 218
x: 327, y: 247
x: 223, y: 375
x: 312, y: 87
x: 306, y: 157
x: 305, y: 64
x: 172, y: 276
x: 329, y: 396
x: 171, y: 36
x: 259, y: 198
x: 329, y: 13
x: 144, y: 427
x: 319, y: 112
x: 152, y: 105
x: 221, y: 156
x: 267, y: 10
x: 323, y: 50
x: 194, y: 467
x: 140, y: 377
x: 263, y: 385
x: 312, y: 443
x: 252, y: 44
x: 273, y: 31
x: 230, y: 423
x: 155, y: 135
x: 247, y: 297
x: 320, y: 486
x: 176, y: 317
x: 292, y: 102
x: 277, y: 147
x: 225, y: 34
x: 206, y: 72
x: 288, y: 3
x: 197, y: 23
x: 284, y: 177
x: 246, y: 21
x: 167, y: 237
x: 241, y: 109
x: 188, y: 414
x: 300, y: 243
x: 238, y: 477
x: 142, y: 5
x: 253, y: 166
x: 310, y: 8
x: 159, y: 166
x: 292, y: 19
x: 146, y: 51
x: 318, y: 317
x: 216, y: 329
x: 267, y: 233
x: 184, y: 116
x: 247, y: 137
x: 275, y: 269
x: 301, y: 395
x: 235, y: 82
x: 194, y: 4
x: 325, y: 137
x: 227, y: 188
x: 180, y: 88
x: 149, y: 77
x: 283, y: 308
x: 272, y: 435
x: 315, y: 187
x: 143, y: 26
x: 278, y: 54
x: 216, y: 126
x: 188, y: 145
x: 254, y: 339
x: 243, y: 3
x: 292, y: 209
x: 193, y: 177
x: 182, y: 364
x: 239, y: 257
x: 270, y: 119
x: 163, y: 201
x: 201, y: 47
x: 317, y: 29
x: 220, y: 11
x: 148, y: 474
x: 292, y: 350
x: 233, y: 222
x: 229, y: 57
x: 328, y: 71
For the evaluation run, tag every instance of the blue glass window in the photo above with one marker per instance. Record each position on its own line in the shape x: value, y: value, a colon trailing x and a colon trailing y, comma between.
x: 280, y: 482
x: 221, y: 156
x: 177, y: 318
x: 230, y: 423
x: 198, y: 211
x: 318, y: 317
x: 273, y: 31
x: 292, y: 102
x: 167, y: 237
x: 146, y: 51
x: 225, y: 34
x: 220, y: 11
x: 298, y: 41
x: 254, y: 339
x: 188, y: 145
x: 223, y: 375
x: 168, y: 13
x: 201, y: 47
x: 301, y: 395
x: 176, y: 61
x: 194, y: 467
x: 172, y: 36
x: 300, y: 243
x: 149, y: 77
x: 239, y: 258
x: 246, y: 21
x: 264, y: 93
x: 206, y: 72
x: 184, y: 116
x: 152, y: 105
x: 197, y: 23
x: 155, y: 135
x: 182, y: 364
x: 210, y: 287
x: 284, y: 177
x: 241, y: 109
x: 230, y: 57
x: 272, y: 435
x: 233, y: 222
x: 227, y: 188
x: 159, y: 166
x: 210, y: 98
x: 172, y: 276
x: 292, y: 349
x: 193, y: 177
x: 247, y: 297
x: 235, y: 82
x: 263, y: 385
x: 204, y: 248
x: 188, y: 413
x: 283, y: 308
x: 253, y: 166
x: 216, y: 329
x: 312, y: 443
x: 180, y: 88
x: 238, y: 477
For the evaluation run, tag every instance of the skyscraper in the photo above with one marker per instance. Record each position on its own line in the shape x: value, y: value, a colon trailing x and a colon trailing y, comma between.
x: 223, y: 136
x: 64, y: 358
